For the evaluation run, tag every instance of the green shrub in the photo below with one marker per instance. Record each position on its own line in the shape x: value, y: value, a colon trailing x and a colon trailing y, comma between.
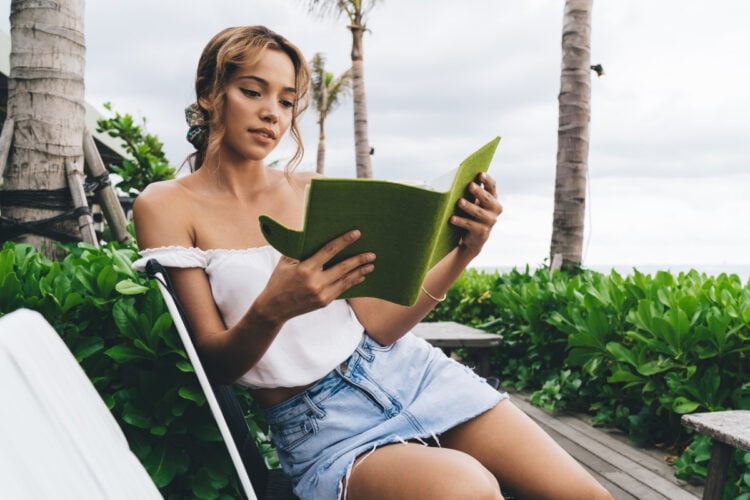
x: 636, y: 352
x: 115, y: 323
x: 147, y: 163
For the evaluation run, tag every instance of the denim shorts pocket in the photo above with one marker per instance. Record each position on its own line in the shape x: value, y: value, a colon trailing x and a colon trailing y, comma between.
x: 289, y: 435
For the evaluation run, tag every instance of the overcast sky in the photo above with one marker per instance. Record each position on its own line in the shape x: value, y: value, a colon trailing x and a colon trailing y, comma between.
x: 669, y: 176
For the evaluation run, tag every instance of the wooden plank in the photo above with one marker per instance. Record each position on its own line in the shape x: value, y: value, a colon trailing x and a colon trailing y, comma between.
x: 85, y: 221
x: 106, y: 197
x: 625, y: 467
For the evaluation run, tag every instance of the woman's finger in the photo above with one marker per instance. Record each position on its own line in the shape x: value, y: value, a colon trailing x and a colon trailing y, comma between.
x: 478, y: 212
x: 346, y: 266
x: 488, y: 183
x: 485, y: 198
x: 333, y: 247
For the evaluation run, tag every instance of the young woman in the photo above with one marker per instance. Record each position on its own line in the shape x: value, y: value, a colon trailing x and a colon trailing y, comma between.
x: 358, y: 406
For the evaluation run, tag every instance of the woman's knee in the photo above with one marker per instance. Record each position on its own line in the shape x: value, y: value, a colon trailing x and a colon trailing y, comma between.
x: 472, y: 480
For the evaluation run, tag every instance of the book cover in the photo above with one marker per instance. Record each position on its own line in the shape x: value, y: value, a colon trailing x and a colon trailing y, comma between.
x: 406, y: 226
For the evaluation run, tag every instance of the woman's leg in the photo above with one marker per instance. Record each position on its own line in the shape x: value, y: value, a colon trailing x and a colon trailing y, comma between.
x: 523, y: 457
x: 414, y: 472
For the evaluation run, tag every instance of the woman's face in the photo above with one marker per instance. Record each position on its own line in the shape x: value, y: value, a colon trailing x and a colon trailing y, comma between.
x: 259, y: 106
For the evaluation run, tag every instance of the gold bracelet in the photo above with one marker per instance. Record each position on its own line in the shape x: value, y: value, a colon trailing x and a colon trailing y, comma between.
x: 436, y: 299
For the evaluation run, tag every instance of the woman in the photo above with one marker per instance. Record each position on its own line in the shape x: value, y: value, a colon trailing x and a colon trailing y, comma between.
x: 351, y: 396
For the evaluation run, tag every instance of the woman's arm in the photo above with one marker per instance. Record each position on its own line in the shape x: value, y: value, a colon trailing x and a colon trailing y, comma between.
x: 385, y: 321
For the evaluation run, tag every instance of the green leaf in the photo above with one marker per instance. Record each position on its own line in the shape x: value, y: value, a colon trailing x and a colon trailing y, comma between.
x: 88, y: 348
x: 159, y: 430
x: 624, y: 376
x: 192, y: 394
x: 622, y: 353
x: 162, y: 464
x: 10, y: 293
x: 125, y: 353
x: 184, y: 366
x: 683, y: 405
x: 207, y: 432
x: 129, y: 287
x: 126, y: 318
x: 202, y: 486
x: 136, y: 417
x: 106, y: 280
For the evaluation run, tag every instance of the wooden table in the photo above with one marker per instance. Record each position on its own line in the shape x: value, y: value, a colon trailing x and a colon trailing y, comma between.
x: 728, y: 429
x: 449, y: 335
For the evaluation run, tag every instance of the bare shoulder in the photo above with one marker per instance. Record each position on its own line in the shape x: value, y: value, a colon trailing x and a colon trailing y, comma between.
x: 160, y: 196
x: 160, y: 215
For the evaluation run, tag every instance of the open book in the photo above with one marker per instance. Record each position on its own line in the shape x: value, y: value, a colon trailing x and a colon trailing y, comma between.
x: 406, y: 226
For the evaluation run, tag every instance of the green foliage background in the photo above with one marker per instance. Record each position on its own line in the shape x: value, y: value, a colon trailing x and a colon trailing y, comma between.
x: 635, y: 352
x: 147, y: 163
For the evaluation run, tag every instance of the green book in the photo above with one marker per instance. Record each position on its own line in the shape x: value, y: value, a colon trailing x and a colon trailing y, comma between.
x: 406, y: 226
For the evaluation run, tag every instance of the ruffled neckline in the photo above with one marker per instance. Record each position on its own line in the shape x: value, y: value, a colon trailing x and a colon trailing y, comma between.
x: 178, y: 248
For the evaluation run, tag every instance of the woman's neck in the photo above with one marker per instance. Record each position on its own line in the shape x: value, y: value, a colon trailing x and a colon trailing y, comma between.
x: 241, y: 180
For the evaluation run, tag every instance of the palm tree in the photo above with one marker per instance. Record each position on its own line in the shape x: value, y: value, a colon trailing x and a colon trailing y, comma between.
x: 327, y: 92
x: 47, y: 113
x: 356, y: 11
x: 572, y: 135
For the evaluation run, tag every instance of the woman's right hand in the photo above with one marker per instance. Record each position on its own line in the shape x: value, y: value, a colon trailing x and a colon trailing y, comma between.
x: 297, y: 287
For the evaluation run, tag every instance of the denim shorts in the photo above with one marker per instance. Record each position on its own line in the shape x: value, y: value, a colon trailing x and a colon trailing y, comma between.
x: 405, y: 391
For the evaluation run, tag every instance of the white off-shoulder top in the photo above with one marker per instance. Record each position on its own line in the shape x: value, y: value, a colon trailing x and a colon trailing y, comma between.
x: 307, y: 347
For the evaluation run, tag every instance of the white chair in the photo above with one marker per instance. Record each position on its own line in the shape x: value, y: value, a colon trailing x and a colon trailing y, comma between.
x: 157, y: 272
x: 256, y: 479
x: 57, y: 437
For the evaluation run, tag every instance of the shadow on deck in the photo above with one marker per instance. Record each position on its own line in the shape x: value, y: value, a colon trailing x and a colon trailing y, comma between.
x: 627, y: 471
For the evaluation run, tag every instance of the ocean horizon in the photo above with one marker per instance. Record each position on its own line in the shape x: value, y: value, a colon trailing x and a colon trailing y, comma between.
x: 741, y: 270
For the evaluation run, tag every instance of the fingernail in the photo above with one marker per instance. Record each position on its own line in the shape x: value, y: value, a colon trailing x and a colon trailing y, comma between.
x: 355, y: 233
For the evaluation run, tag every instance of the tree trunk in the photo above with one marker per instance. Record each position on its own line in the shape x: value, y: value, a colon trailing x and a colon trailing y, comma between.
x: 361, y: 140
x: 573, y: 134
x: 45, y: 98
x: 321, y: 146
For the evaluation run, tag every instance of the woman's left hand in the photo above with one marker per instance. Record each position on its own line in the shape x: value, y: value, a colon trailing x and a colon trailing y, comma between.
x: 480, y: 216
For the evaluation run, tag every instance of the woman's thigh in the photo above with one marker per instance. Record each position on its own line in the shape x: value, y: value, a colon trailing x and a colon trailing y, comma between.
x: 523, y: 457
x: 414, y: 471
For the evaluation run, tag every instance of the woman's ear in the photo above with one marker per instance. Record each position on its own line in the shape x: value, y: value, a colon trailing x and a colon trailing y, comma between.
x: 203, y: 103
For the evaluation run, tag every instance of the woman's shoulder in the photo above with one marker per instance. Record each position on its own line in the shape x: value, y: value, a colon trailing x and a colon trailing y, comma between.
x: 161, y: 190
x: 161, y: 214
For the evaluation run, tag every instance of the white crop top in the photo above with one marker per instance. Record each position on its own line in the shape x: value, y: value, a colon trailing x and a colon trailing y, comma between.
x: 307, y: 347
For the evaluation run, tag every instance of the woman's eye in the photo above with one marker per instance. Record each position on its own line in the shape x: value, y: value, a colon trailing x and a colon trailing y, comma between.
x: 287, y: 103
x: 250, y: 93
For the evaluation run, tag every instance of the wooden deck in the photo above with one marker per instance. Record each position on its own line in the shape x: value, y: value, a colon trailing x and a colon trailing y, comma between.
x: 627, y: 471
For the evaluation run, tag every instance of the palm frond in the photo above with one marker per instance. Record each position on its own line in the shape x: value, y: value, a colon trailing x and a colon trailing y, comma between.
x: 325, y: 9
x: 338, y: 89
x: 335, y: 9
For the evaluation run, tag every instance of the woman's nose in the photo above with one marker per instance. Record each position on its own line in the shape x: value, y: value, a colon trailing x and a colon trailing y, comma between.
x: 269, y: 113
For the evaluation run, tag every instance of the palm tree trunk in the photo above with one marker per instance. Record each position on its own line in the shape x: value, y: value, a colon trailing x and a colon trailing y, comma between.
x: 45, y: 98
x: 573, y: 134
x: 321, y: 146
x: 361, y: 140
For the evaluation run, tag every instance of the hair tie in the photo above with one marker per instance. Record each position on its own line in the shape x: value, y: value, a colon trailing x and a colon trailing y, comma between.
x: 197, y: 120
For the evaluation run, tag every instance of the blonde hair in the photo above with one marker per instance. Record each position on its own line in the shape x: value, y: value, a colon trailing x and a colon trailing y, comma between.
x: 227, y: 51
